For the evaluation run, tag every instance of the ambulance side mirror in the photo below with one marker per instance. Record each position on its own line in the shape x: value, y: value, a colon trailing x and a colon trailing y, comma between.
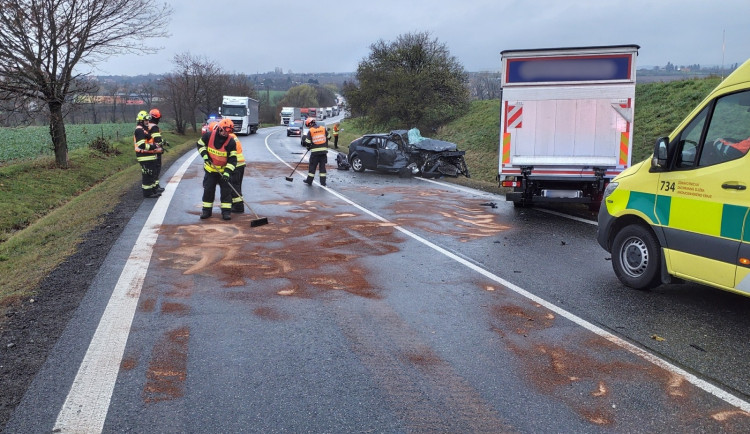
x: 659, y: 160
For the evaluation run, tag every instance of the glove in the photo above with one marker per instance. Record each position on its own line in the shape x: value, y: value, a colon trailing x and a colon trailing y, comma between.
x: 225, y: 178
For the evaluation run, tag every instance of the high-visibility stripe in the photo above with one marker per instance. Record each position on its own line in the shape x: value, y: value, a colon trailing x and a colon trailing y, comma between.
x: 732, y: 219
x: 506, y: 148
x: 624, y: 141
x: 515, y: 116
x: 695, y: 215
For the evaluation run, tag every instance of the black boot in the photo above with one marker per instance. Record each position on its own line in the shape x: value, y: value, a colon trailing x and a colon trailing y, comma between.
x: 149, y: 194
x: 226, y: 214
x: 206, y: 213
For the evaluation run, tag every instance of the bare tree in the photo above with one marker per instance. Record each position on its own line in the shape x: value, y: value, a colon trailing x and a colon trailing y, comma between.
x: 43, y: 41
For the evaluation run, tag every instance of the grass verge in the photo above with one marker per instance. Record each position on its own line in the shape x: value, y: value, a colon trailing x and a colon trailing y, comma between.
x: 58, y: 207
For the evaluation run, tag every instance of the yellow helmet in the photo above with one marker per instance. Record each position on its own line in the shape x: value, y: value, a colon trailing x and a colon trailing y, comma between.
x: 142, y: 116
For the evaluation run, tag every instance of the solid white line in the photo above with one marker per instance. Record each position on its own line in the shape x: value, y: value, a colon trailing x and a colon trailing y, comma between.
x: 87, y: 403
x: 497, y: 196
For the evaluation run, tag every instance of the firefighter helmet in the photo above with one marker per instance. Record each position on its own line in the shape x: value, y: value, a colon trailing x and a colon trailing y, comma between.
x: 310, y: 122
x: 142, y: 116
x: 155, y: 114
x: 226, y: 125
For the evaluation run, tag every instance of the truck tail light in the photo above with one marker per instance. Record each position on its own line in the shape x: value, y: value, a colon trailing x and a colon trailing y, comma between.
x: 510, y: 182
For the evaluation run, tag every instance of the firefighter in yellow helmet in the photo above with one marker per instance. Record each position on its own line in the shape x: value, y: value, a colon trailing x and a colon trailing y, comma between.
x: 155, y: 139
x: 218, y: 149
x: 317, y: 142
x: 147, y: 155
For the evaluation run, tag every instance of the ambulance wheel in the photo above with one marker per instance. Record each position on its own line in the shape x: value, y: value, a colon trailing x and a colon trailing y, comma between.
x: 636, y: 257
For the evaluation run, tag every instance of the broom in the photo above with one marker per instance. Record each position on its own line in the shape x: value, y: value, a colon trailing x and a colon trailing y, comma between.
x: 253, y: 223
x: 289, y: 178
x: 258, y: 221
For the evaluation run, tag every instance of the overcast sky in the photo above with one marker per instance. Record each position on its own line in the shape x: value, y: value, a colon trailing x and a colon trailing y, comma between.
x: 334, y: 36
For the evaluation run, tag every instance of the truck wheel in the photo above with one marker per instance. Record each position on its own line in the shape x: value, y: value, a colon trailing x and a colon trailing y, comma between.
x: 636, y: 257
x: 356, y: 163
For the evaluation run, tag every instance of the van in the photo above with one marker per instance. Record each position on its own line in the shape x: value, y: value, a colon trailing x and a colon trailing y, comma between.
x: 683, y: 214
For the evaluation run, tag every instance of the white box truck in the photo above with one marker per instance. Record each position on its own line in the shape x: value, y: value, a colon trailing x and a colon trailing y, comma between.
x: 243, y: 111
x: 289, y: 114
x: 566, y: 122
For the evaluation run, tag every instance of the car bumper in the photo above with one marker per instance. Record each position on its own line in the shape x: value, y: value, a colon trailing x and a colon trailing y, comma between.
x: 605, y: 222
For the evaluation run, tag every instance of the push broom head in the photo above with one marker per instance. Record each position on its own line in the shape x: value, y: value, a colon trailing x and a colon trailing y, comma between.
x: 289, y: 178
x: 258, y: 222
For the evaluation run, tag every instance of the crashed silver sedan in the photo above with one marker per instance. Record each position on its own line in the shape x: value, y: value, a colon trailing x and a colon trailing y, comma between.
x: 407, y: 153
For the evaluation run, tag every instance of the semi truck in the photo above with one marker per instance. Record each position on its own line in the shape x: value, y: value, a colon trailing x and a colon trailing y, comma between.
x: 312, y: 112
x: 243, y: 111
x: 289, y: 114
x: 566, y: 122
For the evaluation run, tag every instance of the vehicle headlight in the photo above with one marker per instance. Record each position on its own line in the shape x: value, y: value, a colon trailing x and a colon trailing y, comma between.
x: 611, y: 187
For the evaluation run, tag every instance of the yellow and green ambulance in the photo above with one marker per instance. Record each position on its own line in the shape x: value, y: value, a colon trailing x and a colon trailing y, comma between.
x: 683, y: 215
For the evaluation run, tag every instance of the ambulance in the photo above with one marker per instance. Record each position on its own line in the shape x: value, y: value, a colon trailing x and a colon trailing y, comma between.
x: 683, y: 214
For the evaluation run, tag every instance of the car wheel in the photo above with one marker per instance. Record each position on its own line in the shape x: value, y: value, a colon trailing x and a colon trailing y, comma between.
x: 287, y: 134
x: 636, y: 257
x: 356, y: 163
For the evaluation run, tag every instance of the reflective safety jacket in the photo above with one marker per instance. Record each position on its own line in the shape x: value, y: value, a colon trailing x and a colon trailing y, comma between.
x: 240, y: 155
x: 317, y: 139
x: 336, y: 130
x: 219, y: 151
x: 145, y: 150
x: 155, y: 140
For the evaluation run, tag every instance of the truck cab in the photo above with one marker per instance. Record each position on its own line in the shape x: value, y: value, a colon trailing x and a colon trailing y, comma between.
x: 242, y: 111
x: 684, y: 215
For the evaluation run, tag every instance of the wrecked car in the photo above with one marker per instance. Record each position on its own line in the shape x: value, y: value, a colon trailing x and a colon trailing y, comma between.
x: 407, y: 153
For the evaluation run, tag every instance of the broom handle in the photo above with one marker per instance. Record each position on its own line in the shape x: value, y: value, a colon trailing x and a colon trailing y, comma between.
x: 300, y: 161
x: 235, y: 190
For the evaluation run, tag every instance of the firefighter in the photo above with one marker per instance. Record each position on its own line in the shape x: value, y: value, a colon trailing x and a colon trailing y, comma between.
x: 154, y: 116
x: 238, y: 205
x: 147, y: 155
x: 219, y: 152
x: 316, y: 141
x: 336, y: 130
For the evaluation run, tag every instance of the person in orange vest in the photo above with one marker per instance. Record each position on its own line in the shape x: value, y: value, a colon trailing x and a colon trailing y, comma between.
x: 238, y: 205
x: 336, y: 130
x: 147, y: 154
x: 316, y: 142
x: 219, y: 152
x: 154, y: 116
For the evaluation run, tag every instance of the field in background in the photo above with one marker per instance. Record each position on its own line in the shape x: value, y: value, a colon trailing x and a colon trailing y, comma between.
x: 31, y: 142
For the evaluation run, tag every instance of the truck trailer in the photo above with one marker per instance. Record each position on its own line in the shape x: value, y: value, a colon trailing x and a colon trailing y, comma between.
x: 566, y: 122
x: 243, y: 111
x: 289, y: 114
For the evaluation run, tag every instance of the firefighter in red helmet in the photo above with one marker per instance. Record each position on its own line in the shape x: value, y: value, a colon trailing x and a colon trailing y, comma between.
x: 317, y: 142
x: 218, y: 149
x: 154, y: 116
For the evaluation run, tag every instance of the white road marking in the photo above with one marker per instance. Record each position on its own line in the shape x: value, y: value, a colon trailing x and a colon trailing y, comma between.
x: 87, y: 403
x: 698, y: 382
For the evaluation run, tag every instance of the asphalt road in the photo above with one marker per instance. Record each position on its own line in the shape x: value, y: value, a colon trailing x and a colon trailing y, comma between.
x: 381, y: 304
